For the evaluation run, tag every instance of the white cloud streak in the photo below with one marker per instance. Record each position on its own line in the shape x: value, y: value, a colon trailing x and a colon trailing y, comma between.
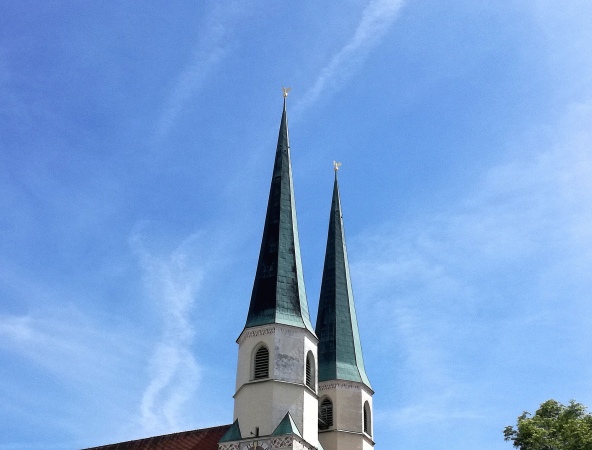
x: 172, y: 282
x: 211, y: 49
x: 66, y: 343
x: 376, y: 19
x: 133, y: 382
x: 476, y: 292
x: 88, y: 370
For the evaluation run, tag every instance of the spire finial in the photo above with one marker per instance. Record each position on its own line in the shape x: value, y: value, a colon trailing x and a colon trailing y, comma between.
x: 336, y: 166
x: 286, y: 90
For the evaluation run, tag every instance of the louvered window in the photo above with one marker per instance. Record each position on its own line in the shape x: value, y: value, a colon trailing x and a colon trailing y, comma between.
x: 326, y: 414
x: 309, y: 379
x: 261, y: 363
x: 367, y: 418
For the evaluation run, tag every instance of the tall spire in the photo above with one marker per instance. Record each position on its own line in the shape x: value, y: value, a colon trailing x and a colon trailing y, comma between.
x: 278, y: 291
x: 340, y: 350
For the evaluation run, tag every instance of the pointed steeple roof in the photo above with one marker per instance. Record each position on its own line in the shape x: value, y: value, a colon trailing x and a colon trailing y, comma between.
x: 232, y: 434
x: 278, y: 291
x: 340, y: 350
x: 287, y: 426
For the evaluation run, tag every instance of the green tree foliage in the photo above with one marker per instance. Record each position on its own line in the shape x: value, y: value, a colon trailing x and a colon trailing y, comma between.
x: 553, y: 427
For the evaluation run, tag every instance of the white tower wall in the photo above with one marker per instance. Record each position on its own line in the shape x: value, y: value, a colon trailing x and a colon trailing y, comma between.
x: 263, y: 403
x: 347, y: 431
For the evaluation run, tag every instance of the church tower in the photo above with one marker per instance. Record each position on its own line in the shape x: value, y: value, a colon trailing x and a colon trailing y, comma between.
x: 345, y: 394
x: 294, y: 391
x: 276, y: 401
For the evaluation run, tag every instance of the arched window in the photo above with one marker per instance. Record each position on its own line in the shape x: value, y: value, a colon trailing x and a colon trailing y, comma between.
x: 310, y: 371
x: 261, y: 363
x: 326, y: 414
x: 367, y: 424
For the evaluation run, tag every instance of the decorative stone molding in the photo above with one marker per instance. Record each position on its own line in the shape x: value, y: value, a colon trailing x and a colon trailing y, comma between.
x: 339, y: 385
x: 229, y: 446
x: 286, y: 330
x: 290, y: 331
x: 276, y: 443
x: 249, y: 444
x: 290, y: 442
x: 282, y: 442
x: 257, y: 332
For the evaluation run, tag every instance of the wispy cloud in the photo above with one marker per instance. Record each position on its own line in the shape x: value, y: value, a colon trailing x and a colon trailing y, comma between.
x: 376, y: 19
x: 210, y: 50
x: 473, y: 291
x: 133, y: 381
x: 66, y: 343
x: 86, y: 373
x: 172, y: 282
x: 436, y: 411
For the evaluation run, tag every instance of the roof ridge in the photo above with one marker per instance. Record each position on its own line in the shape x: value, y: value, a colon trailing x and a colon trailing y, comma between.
x: 168, y: 435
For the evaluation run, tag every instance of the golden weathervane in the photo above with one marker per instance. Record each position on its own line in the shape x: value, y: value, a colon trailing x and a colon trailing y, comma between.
x: 286, y: 90
x: 336, y: 166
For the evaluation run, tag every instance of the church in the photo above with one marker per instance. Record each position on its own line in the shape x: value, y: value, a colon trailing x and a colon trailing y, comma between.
x: 297, y: 387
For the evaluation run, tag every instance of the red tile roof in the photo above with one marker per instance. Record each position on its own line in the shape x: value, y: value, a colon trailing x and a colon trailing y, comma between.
x: 204, y: 439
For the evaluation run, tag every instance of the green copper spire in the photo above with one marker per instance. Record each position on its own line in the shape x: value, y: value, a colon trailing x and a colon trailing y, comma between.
x: 278, y: 291
x: 340, y: 351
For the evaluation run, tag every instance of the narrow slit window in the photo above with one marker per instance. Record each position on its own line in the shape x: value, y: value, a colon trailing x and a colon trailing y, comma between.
x: 261, y: 363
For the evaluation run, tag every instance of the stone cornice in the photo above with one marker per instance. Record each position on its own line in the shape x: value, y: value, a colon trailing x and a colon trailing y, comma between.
x: 271, y: 380
x: 344, y: 384
x: 264, y: 330
x: 253, y: 332
x: 366, y: 437
x: 270, y: 442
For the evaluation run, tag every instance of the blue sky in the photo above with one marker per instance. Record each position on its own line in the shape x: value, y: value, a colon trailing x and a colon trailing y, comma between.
x: 136, y: 148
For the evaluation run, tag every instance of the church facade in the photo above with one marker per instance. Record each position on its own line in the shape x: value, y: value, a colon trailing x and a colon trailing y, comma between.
x: 298, y: 387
